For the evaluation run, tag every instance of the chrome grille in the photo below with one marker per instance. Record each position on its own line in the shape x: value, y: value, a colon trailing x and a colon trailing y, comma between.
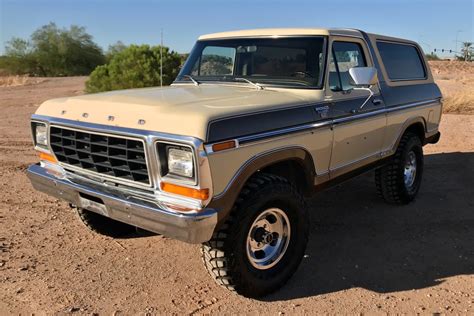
x: 113, y: 156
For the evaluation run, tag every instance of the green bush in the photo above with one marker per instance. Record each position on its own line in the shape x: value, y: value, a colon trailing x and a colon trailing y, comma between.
x: 134, y: 67
x: 52, y: 51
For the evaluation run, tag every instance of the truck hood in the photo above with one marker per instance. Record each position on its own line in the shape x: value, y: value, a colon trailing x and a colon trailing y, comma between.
x: 182, y: 109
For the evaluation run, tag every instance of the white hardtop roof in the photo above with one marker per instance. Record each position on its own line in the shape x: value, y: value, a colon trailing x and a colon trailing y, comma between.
x: 282, y: 32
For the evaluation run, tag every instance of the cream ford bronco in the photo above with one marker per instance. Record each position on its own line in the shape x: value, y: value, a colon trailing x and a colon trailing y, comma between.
x: 255, y: 122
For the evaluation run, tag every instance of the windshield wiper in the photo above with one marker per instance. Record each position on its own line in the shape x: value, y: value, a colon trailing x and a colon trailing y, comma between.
x: 196, y: 83
x: 256, y: 85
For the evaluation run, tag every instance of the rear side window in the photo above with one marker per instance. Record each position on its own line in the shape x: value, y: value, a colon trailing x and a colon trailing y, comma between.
x: 402, y: 62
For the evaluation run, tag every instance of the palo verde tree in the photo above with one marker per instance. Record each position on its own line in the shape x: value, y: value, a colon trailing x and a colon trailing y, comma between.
x: 135, y: 67
x: 53, y: 51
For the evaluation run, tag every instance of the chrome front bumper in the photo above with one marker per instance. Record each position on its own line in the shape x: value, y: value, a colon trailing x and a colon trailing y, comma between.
x: 111, y: 202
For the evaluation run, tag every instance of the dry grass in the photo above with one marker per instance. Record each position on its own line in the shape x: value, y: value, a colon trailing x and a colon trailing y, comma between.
x: 11, y: 81
x: 459, y: 103
x: 456, y: 81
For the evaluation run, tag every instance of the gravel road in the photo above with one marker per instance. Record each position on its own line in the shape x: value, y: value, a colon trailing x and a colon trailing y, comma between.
x: 363, y: 256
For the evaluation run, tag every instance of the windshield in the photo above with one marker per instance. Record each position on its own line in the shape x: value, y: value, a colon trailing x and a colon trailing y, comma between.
x: 294, y: 62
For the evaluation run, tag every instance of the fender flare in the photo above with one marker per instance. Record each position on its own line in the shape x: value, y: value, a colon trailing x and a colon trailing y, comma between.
x: 224, y: 201
x: 406, y: 125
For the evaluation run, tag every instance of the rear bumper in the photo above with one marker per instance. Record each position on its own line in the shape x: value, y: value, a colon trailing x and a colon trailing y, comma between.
x: 110, y: 202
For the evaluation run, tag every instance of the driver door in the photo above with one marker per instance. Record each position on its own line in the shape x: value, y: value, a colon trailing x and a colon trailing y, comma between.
x: 358, y: 132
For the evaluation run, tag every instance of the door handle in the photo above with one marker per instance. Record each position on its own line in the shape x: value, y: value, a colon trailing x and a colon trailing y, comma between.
x: 377, y: 101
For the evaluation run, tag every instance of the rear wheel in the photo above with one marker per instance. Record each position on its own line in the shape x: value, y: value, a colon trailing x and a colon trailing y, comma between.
x: 104, y: 225
x: 400, y: 180
x: 262, y: 243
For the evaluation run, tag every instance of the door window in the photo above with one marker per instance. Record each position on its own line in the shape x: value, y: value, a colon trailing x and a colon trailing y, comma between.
x: 344, y: 55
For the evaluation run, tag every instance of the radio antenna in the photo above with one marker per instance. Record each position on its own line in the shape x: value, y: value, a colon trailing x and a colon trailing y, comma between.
x: 161, y: 60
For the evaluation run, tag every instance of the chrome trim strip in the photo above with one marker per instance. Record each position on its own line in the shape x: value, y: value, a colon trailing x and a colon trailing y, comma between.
x: 294, y: 129
x: 384, y: 111
x: 411, y: 105
x: 359, y: 116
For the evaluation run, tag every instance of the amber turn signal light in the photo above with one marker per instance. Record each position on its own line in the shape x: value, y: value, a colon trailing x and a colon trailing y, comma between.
x: 224, y: 145
x: 200, y: 194
x: 47, y: 157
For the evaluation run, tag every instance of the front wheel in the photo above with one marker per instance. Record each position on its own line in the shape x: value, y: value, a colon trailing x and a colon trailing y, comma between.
x: 262, y: 243
x: 400, y: 180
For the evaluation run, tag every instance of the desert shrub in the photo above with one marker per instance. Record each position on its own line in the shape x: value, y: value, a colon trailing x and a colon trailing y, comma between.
x: 135, y: 67
x: 461, y: 102
x: 52, y: 51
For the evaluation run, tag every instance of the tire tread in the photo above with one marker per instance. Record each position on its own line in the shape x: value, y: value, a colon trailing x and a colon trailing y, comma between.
x: 216, y: 254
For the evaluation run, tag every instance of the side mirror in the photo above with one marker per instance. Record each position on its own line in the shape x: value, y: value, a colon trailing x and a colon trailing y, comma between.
x: 363, y: 76
x: 362, y: 79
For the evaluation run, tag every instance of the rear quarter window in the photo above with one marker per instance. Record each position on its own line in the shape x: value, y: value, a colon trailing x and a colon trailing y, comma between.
x: 401, y: 61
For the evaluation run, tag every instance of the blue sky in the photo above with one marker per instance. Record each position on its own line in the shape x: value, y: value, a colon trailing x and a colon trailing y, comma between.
x: 433, y: 23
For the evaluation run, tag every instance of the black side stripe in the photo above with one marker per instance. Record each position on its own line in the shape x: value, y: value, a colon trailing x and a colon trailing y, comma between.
x: 238, y: 126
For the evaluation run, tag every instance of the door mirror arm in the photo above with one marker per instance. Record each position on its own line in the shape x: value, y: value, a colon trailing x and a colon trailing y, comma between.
x: 371, y: 94
x: 363, y: 78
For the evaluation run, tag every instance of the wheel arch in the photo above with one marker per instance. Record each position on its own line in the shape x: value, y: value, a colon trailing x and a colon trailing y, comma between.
x: 416, y: 125
x: 294, y: 163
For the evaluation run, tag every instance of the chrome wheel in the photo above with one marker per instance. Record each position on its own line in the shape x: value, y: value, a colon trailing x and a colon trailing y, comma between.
x: 409, y: 172
x: 268, y: 238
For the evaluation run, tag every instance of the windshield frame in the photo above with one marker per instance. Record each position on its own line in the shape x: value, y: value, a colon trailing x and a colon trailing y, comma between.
x: 186, y: 69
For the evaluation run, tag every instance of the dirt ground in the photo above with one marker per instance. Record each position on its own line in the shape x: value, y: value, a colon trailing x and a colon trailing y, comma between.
x: 363, y: 256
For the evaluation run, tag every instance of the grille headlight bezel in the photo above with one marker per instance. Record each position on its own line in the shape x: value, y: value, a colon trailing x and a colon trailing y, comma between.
x: 40, y: 135
x: 177, y: 162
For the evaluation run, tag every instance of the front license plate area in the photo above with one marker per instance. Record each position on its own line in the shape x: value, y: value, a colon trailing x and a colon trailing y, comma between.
x: 93, y: 204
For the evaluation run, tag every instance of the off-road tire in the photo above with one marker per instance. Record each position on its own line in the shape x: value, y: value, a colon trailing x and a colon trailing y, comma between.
x: 104, y: 225
x: 225, y: 255
x: 389, y: 179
